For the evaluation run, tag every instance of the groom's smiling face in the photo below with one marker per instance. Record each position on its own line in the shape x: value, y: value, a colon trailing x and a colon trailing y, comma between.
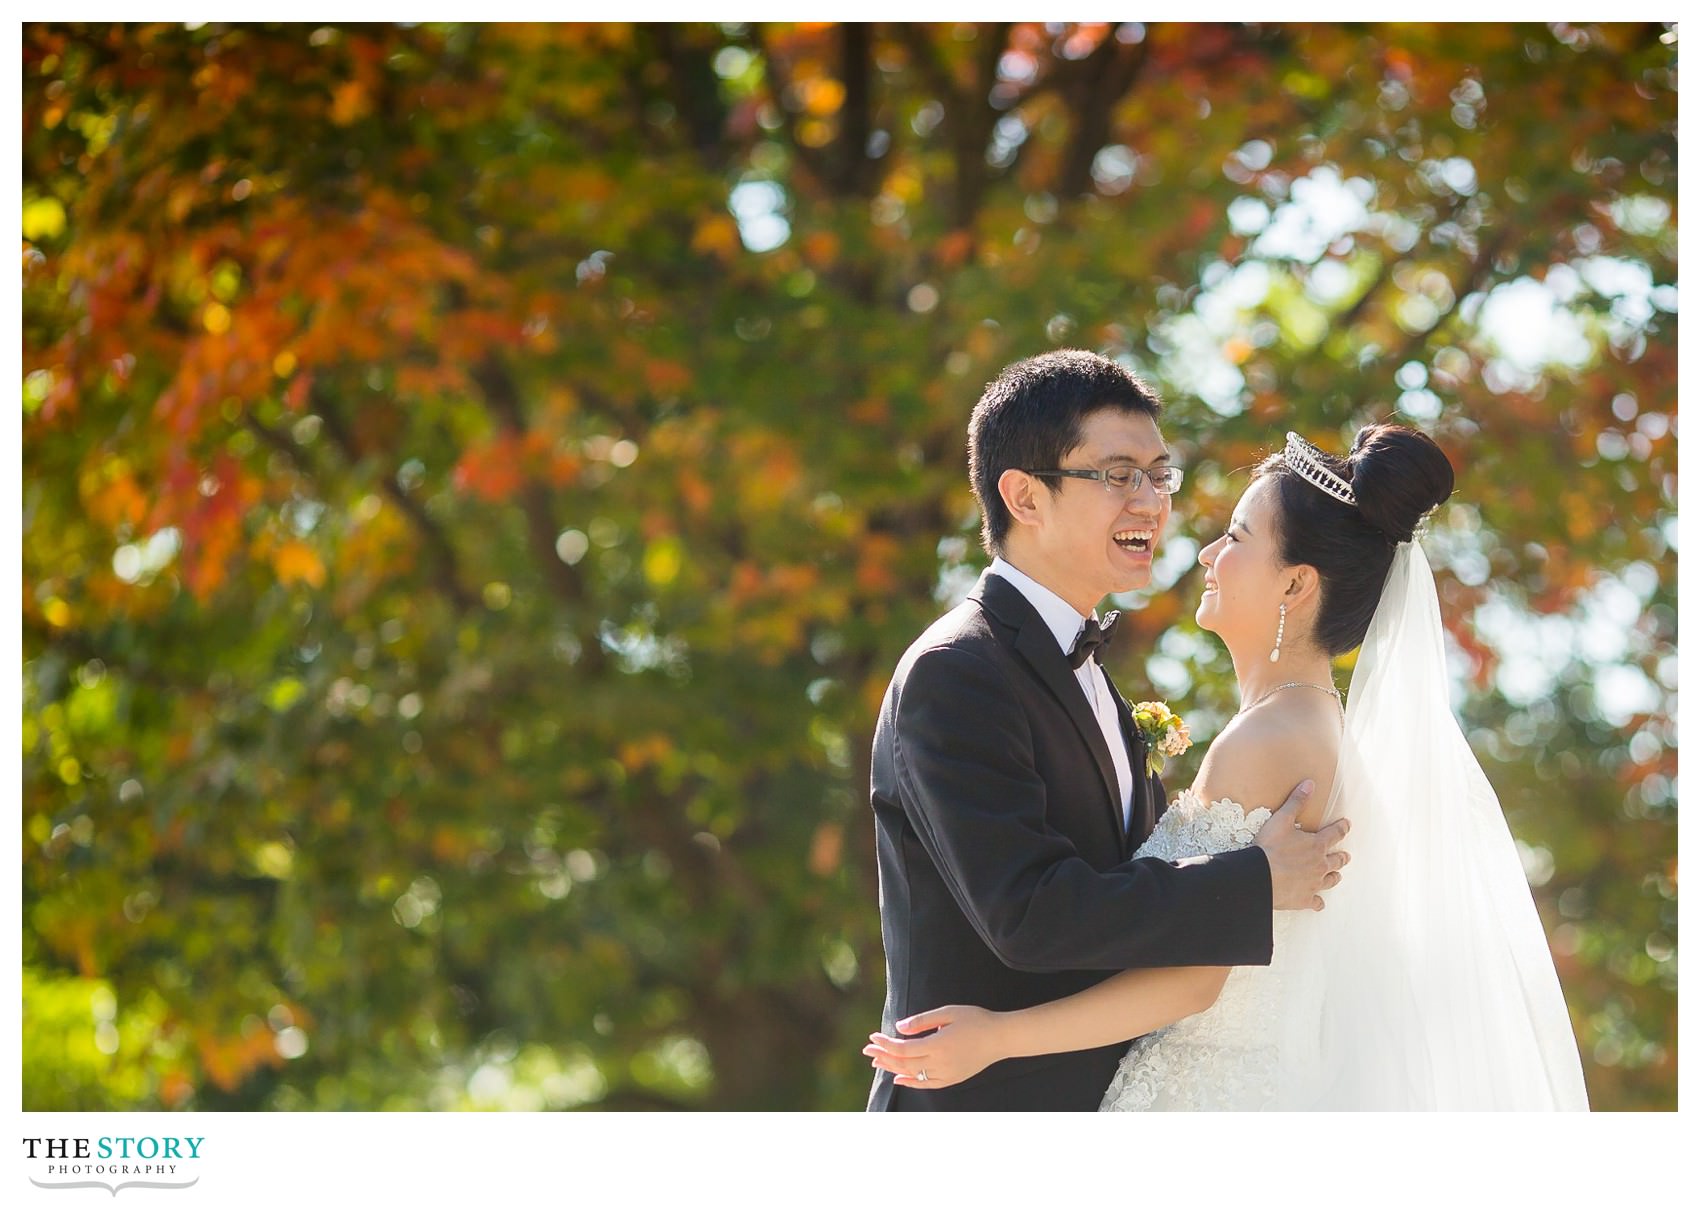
x: 1091, y: 541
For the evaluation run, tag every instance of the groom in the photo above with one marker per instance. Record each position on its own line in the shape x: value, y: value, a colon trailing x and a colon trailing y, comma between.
x: 1009, y: 787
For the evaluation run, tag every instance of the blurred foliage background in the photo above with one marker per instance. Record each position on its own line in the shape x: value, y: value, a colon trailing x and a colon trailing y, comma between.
x: 478, y: 480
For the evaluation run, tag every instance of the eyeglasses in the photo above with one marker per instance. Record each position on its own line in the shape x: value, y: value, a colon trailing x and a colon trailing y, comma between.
x: 1123, y: 478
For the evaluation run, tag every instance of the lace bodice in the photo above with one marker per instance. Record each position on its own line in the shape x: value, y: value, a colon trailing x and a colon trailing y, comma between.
x: 1223, y: 1058
x: 1191, y: 827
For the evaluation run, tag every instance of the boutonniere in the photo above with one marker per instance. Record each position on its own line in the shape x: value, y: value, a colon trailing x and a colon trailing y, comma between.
x: 1165, y: 734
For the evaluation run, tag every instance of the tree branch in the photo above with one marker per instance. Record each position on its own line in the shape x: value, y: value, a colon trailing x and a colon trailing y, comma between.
x: 968, y: 116
x: 1481, y: 267
x: 501, y: 395
x: 974, y: 125
x: 441, y: 553
x: 855, y: 68
x: 80, y: 647
x: 778, y: 84
x: 695, y: 89
x: 1108, y: 74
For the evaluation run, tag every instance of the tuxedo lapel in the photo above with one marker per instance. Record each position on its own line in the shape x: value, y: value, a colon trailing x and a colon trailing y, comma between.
x: 1038, y: 647
x: 1144, y: 814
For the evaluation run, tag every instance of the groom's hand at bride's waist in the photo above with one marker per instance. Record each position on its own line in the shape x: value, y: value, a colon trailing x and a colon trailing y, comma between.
x: 1301, y: 864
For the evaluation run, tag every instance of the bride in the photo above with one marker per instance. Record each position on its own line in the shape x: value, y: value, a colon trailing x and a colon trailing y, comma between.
x: 1427, y: 984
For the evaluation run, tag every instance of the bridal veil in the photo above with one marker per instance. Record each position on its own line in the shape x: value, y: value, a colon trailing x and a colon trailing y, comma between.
x: 1427, y: 982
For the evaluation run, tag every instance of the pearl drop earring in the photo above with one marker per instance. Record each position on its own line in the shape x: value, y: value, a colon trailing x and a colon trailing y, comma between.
x: 1280, y: 631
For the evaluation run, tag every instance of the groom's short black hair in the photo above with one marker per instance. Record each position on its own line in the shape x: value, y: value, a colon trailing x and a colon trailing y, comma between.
x: 1030, y: 417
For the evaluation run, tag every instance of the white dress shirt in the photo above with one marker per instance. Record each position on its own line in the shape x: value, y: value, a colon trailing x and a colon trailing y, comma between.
x: 1065, y: 623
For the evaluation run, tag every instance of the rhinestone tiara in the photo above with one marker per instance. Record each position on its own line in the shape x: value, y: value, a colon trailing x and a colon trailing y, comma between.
x: 1306, y: 461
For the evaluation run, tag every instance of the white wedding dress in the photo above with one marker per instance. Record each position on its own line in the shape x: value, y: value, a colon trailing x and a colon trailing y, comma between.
x: 1223, y: 1059
x: 1426, y: 984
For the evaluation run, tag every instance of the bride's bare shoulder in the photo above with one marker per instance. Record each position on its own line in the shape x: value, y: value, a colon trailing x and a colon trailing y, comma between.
x: 1259, y: 758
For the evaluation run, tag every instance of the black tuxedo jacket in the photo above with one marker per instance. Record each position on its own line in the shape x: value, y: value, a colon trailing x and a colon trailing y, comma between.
x: 1004, y: 869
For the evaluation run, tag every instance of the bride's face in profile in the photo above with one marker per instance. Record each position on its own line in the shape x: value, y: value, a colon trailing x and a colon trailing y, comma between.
x: 1244, y: 577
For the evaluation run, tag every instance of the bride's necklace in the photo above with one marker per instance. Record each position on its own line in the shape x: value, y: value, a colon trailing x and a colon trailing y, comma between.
x: 1315, y: 686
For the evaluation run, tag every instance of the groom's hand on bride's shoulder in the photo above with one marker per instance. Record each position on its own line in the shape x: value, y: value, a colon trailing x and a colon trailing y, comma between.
x: 1302, y: 864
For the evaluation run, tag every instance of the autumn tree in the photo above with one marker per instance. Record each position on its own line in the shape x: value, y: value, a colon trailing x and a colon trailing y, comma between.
x: 479, y: 478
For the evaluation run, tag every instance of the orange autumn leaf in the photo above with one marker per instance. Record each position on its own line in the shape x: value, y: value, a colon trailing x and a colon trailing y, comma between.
x: 717, y: 234
x: 295, y: 396
x: 349, y: 103
x: 790, y: 580
x: 175, y: 1088
x: 449, y: 845
x: 118, y: 500
x: 953, y: 248
x: 645, y: 751
x: 873, y: 411
x: 826, y: 849
x: 695, y: 491
x: 666, y: 378
x: 874, y: 573
x: 296, y: 561
x: 493, y: 472
x: 563, y: 468
x: 746, y: 582
x: 820, y: 249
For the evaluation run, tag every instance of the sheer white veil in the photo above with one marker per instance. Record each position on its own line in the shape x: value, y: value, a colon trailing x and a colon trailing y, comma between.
x: 1427, y: 982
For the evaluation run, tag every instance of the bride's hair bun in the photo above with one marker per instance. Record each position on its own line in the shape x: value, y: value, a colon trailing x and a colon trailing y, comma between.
x: 1398, y: 475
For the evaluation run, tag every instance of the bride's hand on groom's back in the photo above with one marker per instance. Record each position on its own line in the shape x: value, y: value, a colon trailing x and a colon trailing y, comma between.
x: 1302, y: 864
x: 958, y: 1043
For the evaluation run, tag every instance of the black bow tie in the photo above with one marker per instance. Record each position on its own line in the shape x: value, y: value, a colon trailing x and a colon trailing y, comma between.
x: 1093, y: 639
